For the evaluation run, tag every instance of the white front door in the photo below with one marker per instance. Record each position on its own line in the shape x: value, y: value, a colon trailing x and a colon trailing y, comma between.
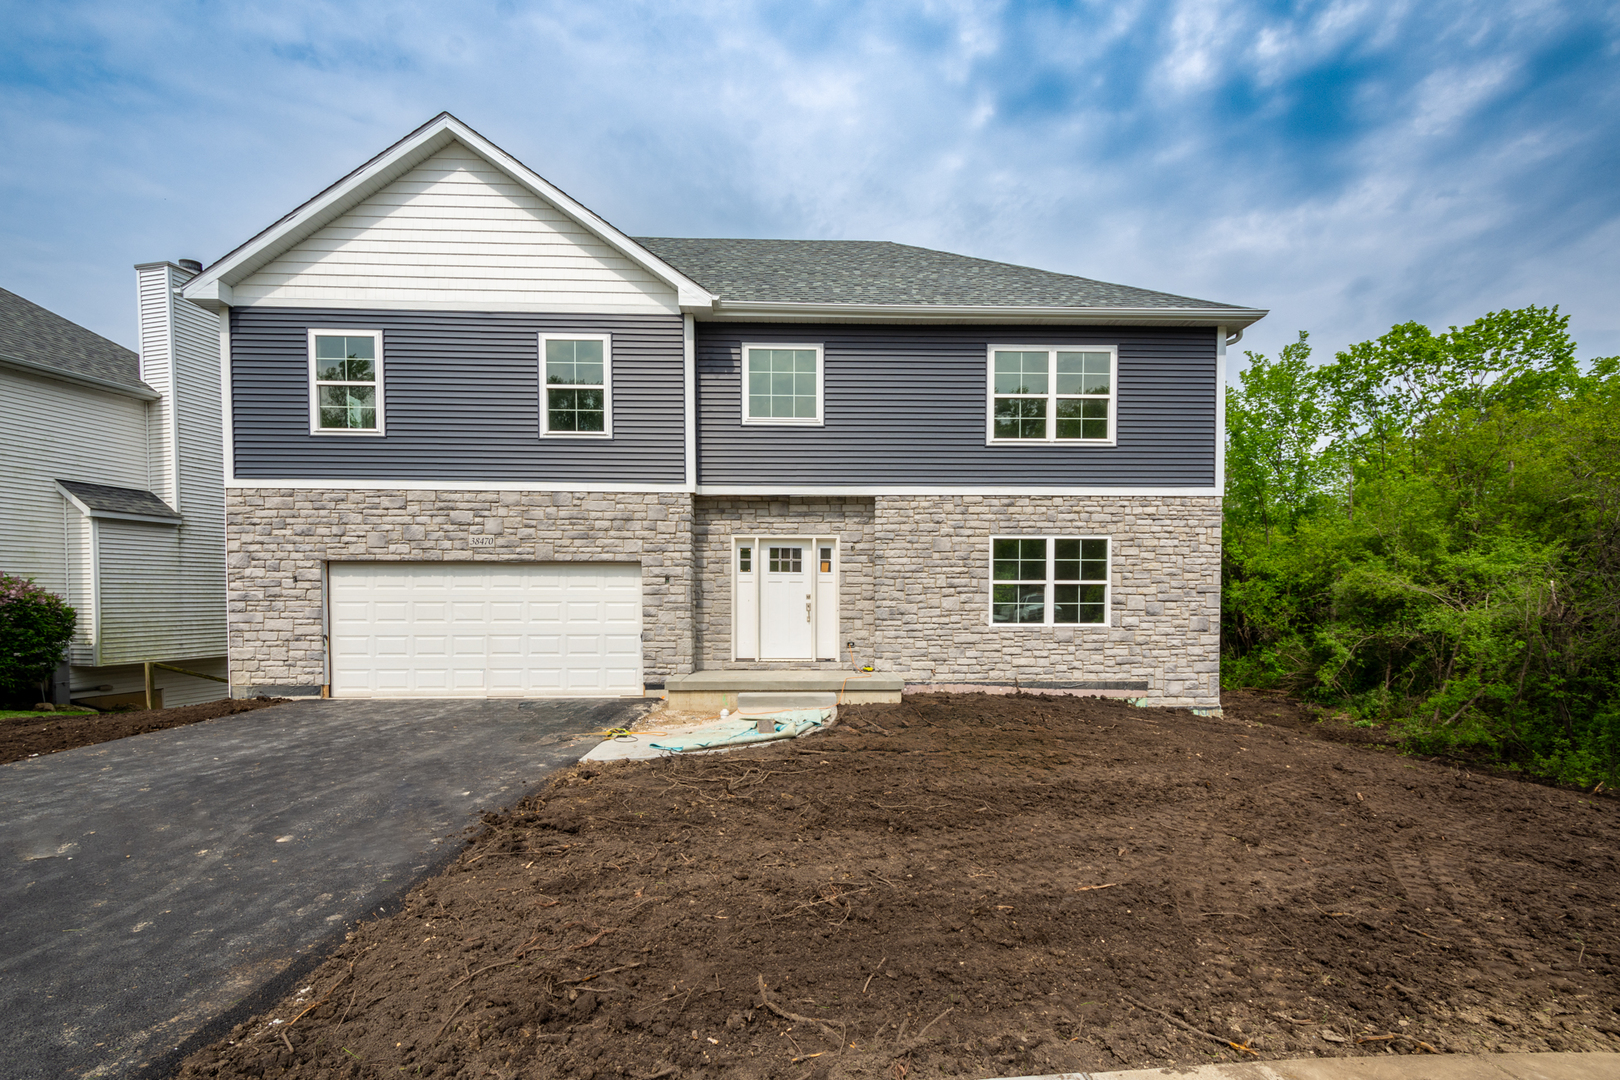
x: 787, y: 628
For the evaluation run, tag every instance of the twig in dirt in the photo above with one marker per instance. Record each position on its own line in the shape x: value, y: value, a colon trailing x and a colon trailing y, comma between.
x: 609, y: 971
x: 542, y: 851
x: 921, y: 1036
x: 667, y: 1070
x: 600, y: 934
x: 1232, y: 914
x: 453, y: 1014
x: 806, y: 1057
x: 325, y: 997
x: 1396, y: 1035
x: 872, y: 976
x: 1438, y: 943
x: 283, y: 1034
x: 1183, y: 1025
x: 480, y: 971
x: 765, y: 999
x: 1089, y: 888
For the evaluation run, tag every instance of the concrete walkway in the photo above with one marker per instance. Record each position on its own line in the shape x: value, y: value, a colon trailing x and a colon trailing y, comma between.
x: 159, y: 888
x: 1387, y: 1067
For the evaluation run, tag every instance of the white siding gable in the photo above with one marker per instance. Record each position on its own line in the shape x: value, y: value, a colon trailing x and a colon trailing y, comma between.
x: 456, y: 233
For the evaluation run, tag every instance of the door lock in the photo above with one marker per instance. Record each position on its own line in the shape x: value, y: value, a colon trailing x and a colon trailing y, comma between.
x: 807, y: 613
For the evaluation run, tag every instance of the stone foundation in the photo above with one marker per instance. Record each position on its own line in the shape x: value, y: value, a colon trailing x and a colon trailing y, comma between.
x: 277, y: 542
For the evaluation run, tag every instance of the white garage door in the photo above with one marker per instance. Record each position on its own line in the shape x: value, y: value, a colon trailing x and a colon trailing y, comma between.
x: 485, y: 629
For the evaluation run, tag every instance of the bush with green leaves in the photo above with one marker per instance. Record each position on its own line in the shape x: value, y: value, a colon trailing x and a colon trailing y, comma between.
x: 35, y: 628
x: 1426, y: 532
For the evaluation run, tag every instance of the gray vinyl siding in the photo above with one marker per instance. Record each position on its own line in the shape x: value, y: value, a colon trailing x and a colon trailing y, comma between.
x: 462, y: 399
x: 907, y: 405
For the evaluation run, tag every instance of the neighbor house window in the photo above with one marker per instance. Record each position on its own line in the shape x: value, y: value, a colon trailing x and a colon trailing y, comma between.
x: 1048, y: 394
x: 345, y: 382
x: 1049, y: 580
x: 577, y: 396
x: 782, y: 384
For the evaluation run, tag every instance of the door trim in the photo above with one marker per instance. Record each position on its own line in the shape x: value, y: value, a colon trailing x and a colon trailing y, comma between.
x: 746, y: 595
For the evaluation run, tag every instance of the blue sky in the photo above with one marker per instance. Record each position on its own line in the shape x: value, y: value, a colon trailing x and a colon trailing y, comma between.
x: 1347, y: 165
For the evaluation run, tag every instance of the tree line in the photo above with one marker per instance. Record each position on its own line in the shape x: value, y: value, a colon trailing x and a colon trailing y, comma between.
x: 1425, y: 532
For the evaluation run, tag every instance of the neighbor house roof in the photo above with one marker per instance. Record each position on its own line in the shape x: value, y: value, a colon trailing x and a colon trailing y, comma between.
x: 103, y: 500
x: 880, y: 272
x: 35, y: 339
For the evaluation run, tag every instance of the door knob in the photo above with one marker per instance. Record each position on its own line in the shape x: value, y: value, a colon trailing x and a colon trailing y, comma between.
x: 807, y: 613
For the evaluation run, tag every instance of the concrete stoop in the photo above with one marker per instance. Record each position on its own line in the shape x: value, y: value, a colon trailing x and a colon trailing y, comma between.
x: 1595, y: 1066
x: 711, y: 691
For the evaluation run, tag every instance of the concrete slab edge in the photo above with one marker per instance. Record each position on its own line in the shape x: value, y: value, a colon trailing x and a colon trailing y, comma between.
x: 1542, y: 1066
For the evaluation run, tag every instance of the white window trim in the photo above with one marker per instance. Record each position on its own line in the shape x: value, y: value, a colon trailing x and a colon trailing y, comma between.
x: 607, y: 388
x: 1051, y: 558
x: 1051, y: 396
x: 821, y: 385
x: 315, y: 395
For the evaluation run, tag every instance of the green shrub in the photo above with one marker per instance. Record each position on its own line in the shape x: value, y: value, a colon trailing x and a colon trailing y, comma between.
x: 35, y: 627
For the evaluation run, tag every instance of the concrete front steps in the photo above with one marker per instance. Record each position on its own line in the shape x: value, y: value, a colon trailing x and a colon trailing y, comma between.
x: 711, y: 691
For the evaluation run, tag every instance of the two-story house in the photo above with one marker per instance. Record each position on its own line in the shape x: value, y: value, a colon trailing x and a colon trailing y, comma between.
x: 480, y: 442
x: 110, y: 491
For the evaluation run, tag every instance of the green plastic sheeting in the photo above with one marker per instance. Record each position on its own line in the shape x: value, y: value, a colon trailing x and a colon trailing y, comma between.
x: 740, y: 732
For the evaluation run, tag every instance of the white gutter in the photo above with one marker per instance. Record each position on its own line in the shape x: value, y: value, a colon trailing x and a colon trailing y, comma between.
x: 985, y: 313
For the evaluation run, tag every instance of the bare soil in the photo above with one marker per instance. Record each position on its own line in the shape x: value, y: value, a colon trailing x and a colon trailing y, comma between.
x: 982, y: 885
x: 47, y: 732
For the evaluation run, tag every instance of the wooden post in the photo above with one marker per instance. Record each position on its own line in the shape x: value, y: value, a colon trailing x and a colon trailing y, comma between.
x: 151, y: 687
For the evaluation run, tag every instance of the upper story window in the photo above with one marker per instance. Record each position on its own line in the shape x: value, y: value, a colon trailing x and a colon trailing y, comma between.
x: 577, y: 370
x: 782, y: 384
x: 345, y: 382
x: 1047, y: 394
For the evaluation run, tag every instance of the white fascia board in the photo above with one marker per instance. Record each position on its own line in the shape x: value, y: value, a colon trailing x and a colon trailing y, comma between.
x: 114, y: 515
x: 388, y: 166
x: 713, y: 489
x: 140, y: 390
x: 446, y: 485
x: 948, y: 489
x: 1233, y: 318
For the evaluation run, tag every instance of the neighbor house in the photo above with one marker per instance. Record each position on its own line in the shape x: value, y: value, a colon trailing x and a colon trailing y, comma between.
x: 481, y: 442
x: 111, y: 494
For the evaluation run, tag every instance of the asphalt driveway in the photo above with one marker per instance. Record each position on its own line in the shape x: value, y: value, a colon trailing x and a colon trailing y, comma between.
x: 157, y: 888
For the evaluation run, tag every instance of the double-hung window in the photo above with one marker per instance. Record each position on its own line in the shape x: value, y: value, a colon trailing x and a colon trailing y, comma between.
x: 576, y: 398
x: 345, y: 382
x: 782, y: 384
x: 1052, y: 394
x: 1049, y: 580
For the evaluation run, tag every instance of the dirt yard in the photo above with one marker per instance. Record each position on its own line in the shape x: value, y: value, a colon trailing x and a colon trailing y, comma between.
x: 983, y: 886
x: 46, y: 733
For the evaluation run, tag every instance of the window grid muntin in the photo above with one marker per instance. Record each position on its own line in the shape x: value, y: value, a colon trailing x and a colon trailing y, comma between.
x: 1074, y: 402
x: 786, y: 560
x: 353, y: 388
x: 571, y: 406
x: 1084, y: 589
x: 805, y: 397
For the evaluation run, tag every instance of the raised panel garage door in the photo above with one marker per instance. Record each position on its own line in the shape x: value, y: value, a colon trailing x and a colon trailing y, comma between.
x: 404, y: 629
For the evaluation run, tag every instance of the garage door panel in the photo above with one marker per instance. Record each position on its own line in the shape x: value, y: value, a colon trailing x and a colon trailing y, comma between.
x: 480, y: 629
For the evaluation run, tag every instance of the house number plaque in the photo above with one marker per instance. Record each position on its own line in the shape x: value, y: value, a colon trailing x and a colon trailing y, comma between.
x: 481, y: 541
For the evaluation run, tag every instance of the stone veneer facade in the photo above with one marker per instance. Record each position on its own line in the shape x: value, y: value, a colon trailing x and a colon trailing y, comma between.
x: 933, y: 563
x: 913, y: 587
x: 719, y: 518
x: 277, y: 542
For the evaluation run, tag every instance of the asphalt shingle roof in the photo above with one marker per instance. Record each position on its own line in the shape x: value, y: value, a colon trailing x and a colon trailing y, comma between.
x: 119, y: 500
x: 32, y: 334
x: 880, y: 272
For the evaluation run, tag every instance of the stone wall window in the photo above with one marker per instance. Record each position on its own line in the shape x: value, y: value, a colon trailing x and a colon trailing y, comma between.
x: 1049, y: 580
